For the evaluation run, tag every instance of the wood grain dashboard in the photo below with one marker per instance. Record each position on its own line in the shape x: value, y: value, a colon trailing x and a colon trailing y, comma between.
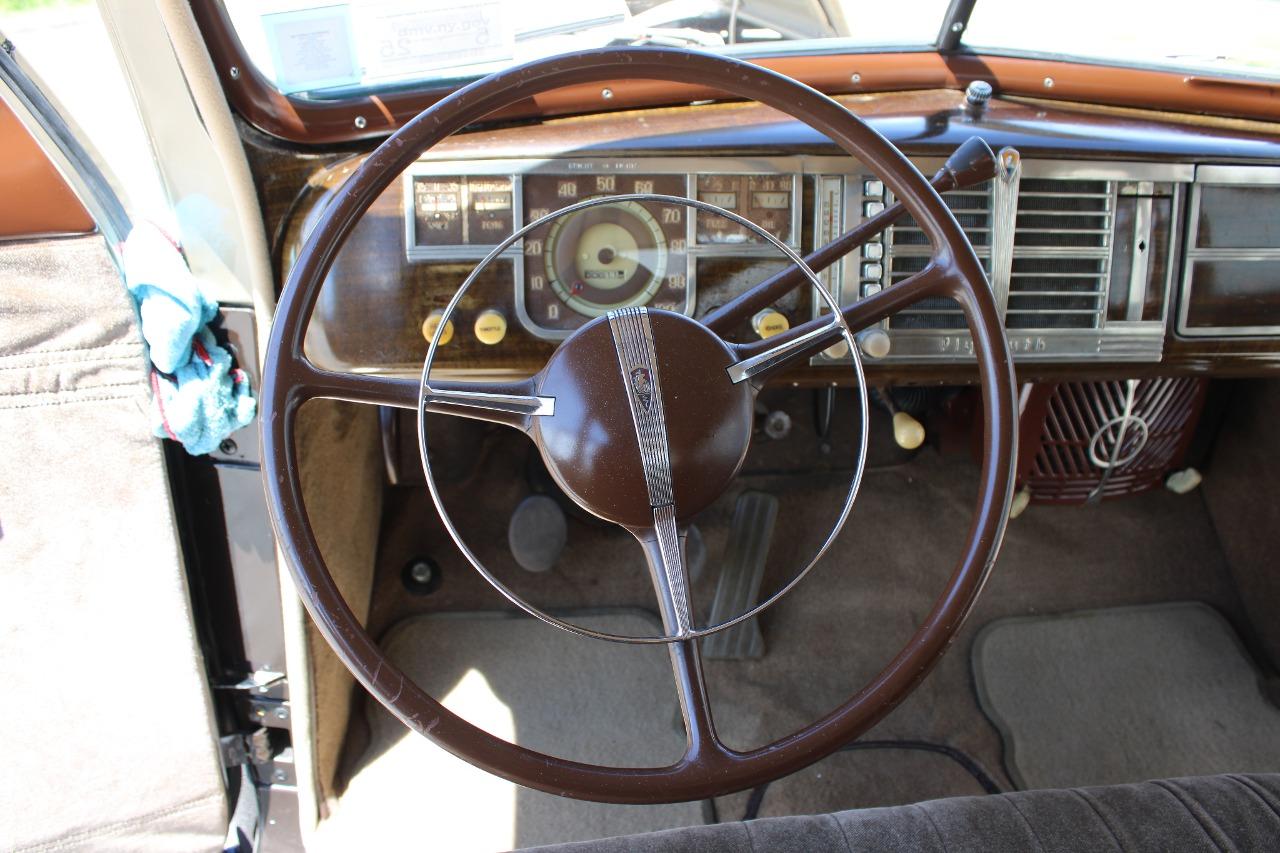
x: 1143, y: 171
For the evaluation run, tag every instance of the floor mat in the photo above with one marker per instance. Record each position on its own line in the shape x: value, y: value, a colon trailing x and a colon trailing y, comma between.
x: 1122, y: 695
x: 527, y: 682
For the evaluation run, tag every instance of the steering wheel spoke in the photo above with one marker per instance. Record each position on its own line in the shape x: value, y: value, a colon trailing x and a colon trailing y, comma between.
x: 664, y: 549
x: 488, y: 402
x: 509, y: 403
x: 759, y: 358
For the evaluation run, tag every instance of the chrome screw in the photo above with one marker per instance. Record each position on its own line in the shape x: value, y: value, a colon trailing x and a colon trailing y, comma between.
x: 856, y: 78
x: 361, y: 122
x: 606, y: 93
x: 235, y: 73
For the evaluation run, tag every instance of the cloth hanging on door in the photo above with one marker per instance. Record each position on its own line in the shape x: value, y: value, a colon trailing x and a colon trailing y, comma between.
x: 200, y: 397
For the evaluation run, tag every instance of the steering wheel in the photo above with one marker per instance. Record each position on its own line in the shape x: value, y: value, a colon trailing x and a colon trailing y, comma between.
x: 654, y: 459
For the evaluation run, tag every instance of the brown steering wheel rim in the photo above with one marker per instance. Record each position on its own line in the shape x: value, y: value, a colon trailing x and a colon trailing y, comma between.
x: 290, y: 380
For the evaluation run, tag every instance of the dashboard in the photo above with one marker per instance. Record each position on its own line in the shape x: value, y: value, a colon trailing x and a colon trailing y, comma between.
x: 1097, y: 264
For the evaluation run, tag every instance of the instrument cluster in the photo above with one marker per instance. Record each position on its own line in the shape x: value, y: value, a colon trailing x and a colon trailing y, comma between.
x: 580, y: 265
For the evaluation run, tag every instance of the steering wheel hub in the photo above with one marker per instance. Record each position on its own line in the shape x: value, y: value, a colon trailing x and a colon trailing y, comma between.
x: 616, y: 394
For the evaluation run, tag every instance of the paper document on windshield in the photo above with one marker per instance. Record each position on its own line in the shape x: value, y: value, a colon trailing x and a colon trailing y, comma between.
x: 403, y: 38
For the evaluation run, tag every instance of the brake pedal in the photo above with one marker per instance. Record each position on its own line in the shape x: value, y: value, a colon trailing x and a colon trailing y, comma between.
x: 741, y: 573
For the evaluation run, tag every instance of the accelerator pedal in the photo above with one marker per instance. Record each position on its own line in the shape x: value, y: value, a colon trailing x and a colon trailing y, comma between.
x: 738, y: 589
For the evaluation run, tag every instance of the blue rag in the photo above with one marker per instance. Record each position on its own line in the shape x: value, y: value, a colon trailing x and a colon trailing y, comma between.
x: 200, y: 397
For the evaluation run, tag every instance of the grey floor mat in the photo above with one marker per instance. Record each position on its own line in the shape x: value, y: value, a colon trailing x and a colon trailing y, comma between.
x: 581, y: 699
x: 1122, y: 695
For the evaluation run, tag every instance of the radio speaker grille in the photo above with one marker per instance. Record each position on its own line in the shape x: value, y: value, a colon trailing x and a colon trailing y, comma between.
x: 1084, y: 441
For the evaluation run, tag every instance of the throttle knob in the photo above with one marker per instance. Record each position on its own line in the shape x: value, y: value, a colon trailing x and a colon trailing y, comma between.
x: 491, y: 326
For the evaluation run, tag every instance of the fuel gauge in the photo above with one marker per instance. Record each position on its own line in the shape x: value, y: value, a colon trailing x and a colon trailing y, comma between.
x: 463, y: 211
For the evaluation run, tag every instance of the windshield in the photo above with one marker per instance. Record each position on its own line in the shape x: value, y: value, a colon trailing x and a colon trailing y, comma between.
x: 326, y: 49
x: 1227, y: 37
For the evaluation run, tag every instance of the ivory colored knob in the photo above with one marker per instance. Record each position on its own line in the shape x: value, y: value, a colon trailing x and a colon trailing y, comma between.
x: 491, y: 326
x: 839, y: 349
x: 874, y: 342
x: 769, y: 323
x: 1020, y: 502
x: 432, y: 323
x: 907, y: 431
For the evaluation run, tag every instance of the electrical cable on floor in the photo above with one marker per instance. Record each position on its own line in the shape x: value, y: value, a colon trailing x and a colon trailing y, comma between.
x: 972, y: 767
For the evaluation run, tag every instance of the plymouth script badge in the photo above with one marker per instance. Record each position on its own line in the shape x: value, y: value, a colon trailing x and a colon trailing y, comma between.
x: 642, y: 386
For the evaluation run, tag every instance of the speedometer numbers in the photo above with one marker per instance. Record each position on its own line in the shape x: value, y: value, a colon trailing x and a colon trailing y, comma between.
x: 584, y: 264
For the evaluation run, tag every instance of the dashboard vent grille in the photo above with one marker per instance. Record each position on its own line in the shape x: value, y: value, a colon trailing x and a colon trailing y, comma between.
x: 909, y: 253
x: 1061, y: 254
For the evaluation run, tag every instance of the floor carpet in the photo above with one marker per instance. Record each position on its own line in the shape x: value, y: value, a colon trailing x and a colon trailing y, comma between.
x: 1106, y: 696
x: 545, y: 689
x: 845, y: 621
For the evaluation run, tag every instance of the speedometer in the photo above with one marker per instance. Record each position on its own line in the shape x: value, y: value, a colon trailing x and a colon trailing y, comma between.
x: 615, y: 255
x: 607, y: 257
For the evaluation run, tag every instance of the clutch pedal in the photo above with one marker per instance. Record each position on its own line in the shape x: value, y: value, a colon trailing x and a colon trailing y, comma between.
x: 741, y: 573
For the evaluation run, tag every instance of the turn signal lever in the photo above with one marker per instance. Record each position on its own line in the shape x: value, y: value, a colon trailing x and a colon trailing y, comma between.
x: 972, y: 163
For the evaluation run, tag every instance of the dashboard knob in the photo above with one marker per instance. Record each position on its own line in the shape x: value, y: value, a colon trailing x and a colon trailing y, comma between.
x: 907, y: 431
x: 839, y: 349
x: 770, y: 322
x: 432, y: 323
x: 874, y: 342
x: 977, y: 95
x: 491, y: 326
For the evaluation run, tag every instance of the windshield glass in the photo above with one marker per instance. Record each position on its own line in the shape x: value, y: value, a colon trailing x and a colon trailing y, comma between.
x: 324, y: 48
x: 327, y: 49
x: 1231, y: 37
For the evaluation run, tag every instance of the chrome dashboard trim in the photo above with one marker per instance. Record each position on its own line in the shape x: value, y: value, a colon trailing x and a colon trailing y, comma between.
x: 1129, y: 340
x: 1124, y: 340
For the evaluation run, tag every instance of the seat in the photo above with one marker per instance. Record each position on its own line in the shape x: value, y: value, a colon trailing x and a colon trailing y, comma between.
x: 1226, y: 812
x: 110, y: 741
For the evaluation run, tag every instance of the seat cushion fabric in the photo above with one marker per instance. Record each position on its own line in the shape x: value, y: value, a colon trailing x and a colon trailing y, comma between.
x: 109, y: 741
x: 1210, y: 813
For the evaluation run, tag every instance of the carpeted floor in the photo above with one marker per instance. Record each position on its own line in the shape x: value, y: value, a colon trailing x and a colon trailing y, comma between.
x: 851, y: 615
x: 539, y: 687
x: 1123, y: 694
